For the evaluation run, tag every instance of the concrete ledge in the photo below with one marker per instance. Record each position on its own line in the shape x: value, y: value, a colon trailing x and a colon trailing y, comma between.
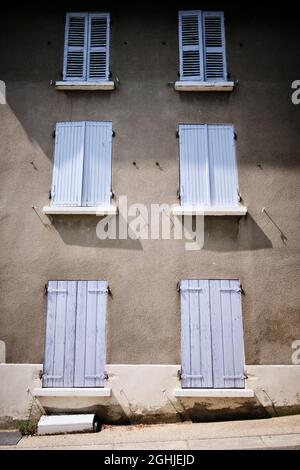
x: 210, y: 211
x: 214, y: 392
x: 87, y: 86
x: 71, y: 392
x: 66, y: 424
x: 56, y: 210
x: 203, y: 86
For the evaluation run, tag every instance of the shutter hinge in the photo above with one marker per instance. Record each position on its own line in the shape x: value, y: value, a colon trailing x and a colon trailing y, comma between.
x: 177, y: 134
x: 242, y: 290
x: 50, y: 194
x: 112, y: 194
x: 178, y: 194
x: 54, y: 134
x: 179, y: 374
x: 235, y: 136
x: 113, y: 134
x: 239, y: 196
x: 178, y: 286
x: 46, y: 289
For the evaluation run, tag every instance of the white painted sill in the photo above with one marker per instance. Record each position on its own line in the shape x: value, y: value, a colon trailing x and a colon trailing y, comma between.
x: 185, y: 85
x: 93, y: 86
x: 57, y: 210
x: 214, y: 393
x: 210, y: 211
x: 71, y: 392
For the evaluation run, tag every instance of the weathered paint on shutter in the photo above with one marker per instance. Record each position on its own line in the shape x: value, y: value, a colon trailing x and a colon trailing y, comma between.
x: 97, y: 164
x: 190, y: 46
x: 68, y: 164
x: 222, y: 164
x: 214, y: 46
x: 60, y: 334
x: 75, y: 52
x: 196, y: 335
x: 98, y: 47
x: 194, y: 165
x: 90, y: 348
x: 212, y: 345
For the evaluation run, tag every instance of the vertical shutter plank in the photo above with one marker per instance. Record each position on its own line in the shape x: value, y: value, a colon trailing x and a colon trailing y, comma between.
x: 195, y: 325
x: 97, y: 164
x: 226, y: 319
x: 59, y: 353
x: 75, y: 52
x: 190, y: 45
x: 70, y: 322
x: 50, y: 335
x: 238, y: 334
x: 101, y: 333
x: 217, y: 334
x: 68, y: 164
x: 205, y: 335
x: 80, y: 340
x: 214, y: 46
x: 185, y: 334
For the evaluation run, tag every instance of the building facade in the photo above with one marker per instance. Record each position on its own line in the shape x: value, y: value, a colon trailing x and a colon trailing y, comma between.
x: 186, y: 104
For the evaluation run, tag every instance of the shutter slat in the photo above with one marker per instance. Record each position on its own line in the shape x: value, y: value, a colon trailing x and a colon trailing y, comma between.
x: 98, y: 47
x: 75, y: 53
x: 68, y: 164
x: 190, y: 46
x: 80, y: 340
x: 214, y: 46
x: 97, y: 164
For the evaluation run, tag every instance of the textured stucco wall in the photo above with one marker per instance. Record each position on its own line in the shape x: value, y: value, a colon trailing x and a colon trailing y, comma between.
x: 143, y: 315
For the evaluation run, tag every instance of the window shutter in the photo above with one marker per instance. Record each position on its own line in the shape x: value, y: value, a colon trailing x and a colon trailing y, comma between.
x: 190, y: 45
x: 222, y: 162
x: 194, y: 165
x: 195, y: 335
x: 214, y: 46
x: 227, y: 334
x: 212, y: 345
x: 98, y: 46
x: 97, y: 164
x: 60, y: 334
x: 68, y: 164
x: 90, y: 347
x: 75, y: 53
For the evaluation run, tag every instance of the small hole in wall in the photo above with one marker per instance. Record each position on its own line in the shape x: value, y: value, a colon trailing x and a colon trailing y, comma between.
x: 164, y: 43
x: 241, y: 44
x: 125, y: 43
x: 49, y: 43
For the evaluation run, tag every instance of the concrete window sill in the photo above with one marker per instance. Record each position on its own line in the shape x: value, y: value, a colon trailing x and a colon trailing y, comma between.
x: 93, y: 86
x: 72, y: 392
x: 214, y: 393
x: 105, y: 210
x: 185, y: 85
x: 210, y: 211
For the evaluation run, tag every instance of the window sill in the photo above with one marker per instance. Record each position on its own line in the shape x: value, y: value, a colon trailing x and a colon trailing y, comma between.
x: 71, y: 392
x: 57, y: 210
x: 203, y: 86
x: 93, y: 86
x: 214, y: 393
x: 210, y: 211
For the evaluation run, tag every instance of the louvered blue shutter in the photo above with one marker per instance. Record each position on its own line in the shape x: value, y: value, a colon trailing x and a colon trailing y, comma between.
x: 227, y: 334
x: 75, y: 53
x: 212, y: 345
x: 98, y: 47
x: 190, y: 46
x: 196, y: 356
x: 97, y: 164
x: 223, y: 168
x: 60, y: 334
x: 214, y: 46
x: 194, y: 165
x: 68, y: 164
x: 90, y: 344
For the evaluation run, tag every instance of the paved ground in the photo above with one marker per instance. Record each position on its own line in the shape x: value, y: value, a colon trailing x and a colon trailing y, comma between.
x: 272, y: 433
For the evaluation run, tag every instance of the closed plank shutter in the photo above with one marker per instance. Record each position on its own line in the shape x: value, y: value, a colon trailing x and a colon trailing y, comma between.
x: 212, y: 345
x: 90, y: 334
x: 98, y: 47
x: 75, y: 53
x: 60, y: 334
x: 68, y: 164
x: 222, y: 164
x: 190, y: 45
x: 196, y: 335
x: 214, y: 46
x: 97, y: 164
x: 194, y: 165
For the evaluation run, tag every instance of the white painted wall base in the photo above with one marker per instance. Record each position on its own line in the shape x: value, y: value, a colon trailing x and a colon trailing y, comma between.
x: 146, y: 392
x: 65, y: 424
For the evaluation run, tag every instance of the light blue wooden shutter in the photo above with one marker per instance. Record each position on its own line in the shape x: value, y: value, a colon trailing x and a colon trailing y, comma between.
x: 227, y: 334
x: 98, y: 47
x: 223, y: 168
x: 75, y: 53
x: 90, y: 347
x: 194, y: 165
x: 190, y: 46
x: 60, y: 334
x: 212, y: 345
x: 68, y: 164
x: 195, y: 335
x: 97, y: 164
x: 214, y: 46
